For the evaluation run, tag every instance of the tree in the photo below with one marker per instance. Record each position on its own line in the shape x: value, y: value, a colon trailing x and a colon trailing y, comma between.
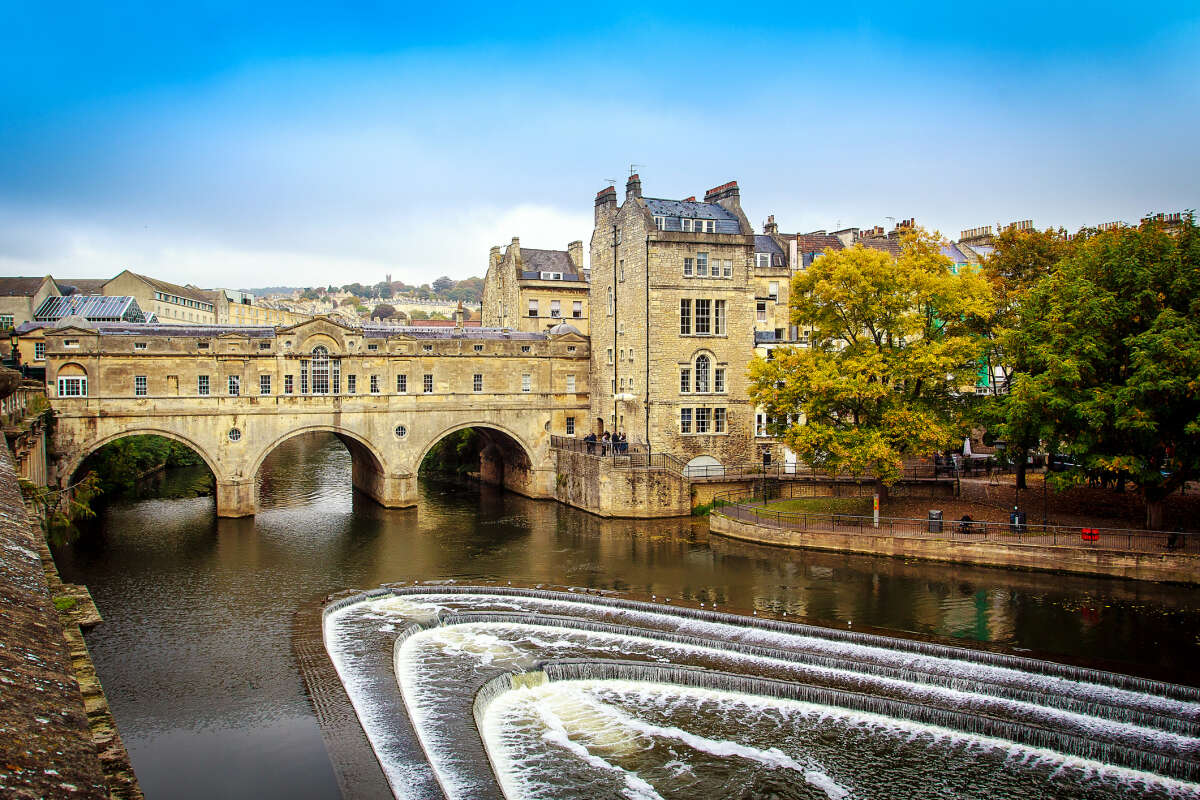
x: 1112, y: 340
x: 1021, y: 258
x: 349, y: 301
x: 383, y: 311
x: 890, y: 351
x: 418, y: 314
x: 443, y: 284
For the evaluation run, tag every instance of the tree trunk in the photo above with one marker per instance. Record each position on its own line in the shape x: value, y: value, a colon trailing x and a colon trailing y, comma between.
x: 1022, y: 455
x: 1154, y: 513
x: 881, y: 489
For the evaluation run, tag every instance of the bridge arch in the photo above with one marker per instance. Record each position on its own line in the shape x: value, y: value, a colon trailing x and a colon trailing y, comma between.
x: 505, y: 459
x: 353, y: 441
x: 77, y: 459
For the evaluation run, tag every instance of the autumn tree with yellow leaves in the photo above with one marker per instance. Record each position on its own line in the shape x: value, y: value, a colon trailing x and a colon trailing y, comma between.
x: 891, y: 348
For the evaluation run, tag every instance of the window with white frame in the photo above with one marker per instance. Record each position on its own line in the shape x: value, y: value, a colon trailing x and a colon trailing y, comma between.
x: 39, y: 351
x: 235, y: 385
x: 701, y: 265
x: 728, y: 268
x: 761, y: 311
x: 718, y: 420
x: 533, y: 308
x: 577, y: 309
x: 685, y: 420
x: 570, y: 426
x: 139, y: 386
x: 477, y: 382
x: 608, y: 352
x: 703, y: 366
x: 719, y: 380
x: 762, y: 259
x: 760, y: 424
x: 685, y: 317
x: 610, y: 301
x: 525, y: 348
x: 718, y: 318
x: 621, y: 269
x: 264, y: 384
x: 703, y: 420
x: 685, y: 380
x: 555, y: 308
x: 703, y: 317
x: 289, y: 384
x: 374, y: 384
x: 202, y: 384
x: 660, y: 222
x: 351, y: 384
x: 139, y: 345
x: 773, y: 290
x: 688, y: 266
x: 401, y: 384
x: 570, y: 384
x: 72, y: 386
x: 526, y: 382
x: 686, y: 224
x: 6, y: 321
x: 427, y: 383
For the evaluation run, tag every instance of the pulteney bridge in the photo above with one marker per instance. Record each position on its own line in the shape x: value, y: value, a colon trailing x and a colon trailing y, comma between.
x: 234, y: 394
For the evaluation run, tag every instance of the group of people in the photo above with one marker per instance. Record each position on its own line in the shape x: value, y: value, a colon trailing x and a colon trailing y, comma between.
x: 614, y: 443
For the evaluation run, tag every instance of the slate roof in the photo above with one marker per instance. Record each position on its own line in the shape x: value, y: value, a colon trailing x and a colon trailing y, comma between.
x: 175, y: 289
x: 952, y: 252
x: 766, y: 244
x: 20, y: 287
x: 882, y: 243
x: 689, y: 208
x: 82, y: 285
x: 91, y: 307
x: 538, y: 261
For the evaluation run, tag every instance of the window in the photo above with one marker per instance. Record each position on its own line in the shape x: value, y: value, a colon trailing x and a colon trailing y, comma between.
x: 202, y: 345
x: 719, y: 379
x: 533, y: 308
x: 610, y: 301
x: 401, y: 384
x: 570, y: 426
x: 701, y: 265
x: 70, y: 343
x: 526, y: 382
x: 685, y: 420
x: 685, y: 317
x: 608, y: 352
x: 351, y: 384
x: 267, y: 346
x: 401, y: 431
x: 6, y: 321
x: 688, y: 267
x: 477, y: 382
x: 303, y: 376
x: 686, y: 224
x: 235, y: 385
x: 570, y: 348
x: 73, y: 386
x: 703, y: 370
x: 577, y: 309
x: 773, y: 290
x: 39, y: 351
x: 618, y: 236
x: 555, y: 308
x: 570, y: 384
x: 685, y: 379
x: 139, y: 385
x: 428, y: 348
x: 525, y: 348
x: 762, y: 259
x: 761, y: 311
x: 718, y: 420
x: 760, y: 424
x: 139, y: 345
x: 703, y: 418
x: 718, y: 317
x: 369, y: 347
x: 235, y: 435
x: 660, y: 223
x: 728, y: 268
x: 374, y: 384
x: 264, y: 384
x: 427, y: 383
x: 703, y: 317
x: 621, y: 269
x: 321, y: 368
x: 202, y: 384
x: 288, y: 384
x: 478, y: 348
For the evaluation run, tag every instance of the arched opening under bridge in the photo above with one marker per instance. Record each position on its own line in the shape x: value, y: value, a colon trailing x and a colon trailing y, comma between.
x: 319, y: 464
x: 485, y: 452
x: 145, y: 464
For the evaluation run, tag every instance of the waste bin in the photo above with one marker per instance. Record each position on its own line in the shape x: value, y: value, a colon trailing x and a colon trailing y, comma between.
x: 935, y: 521
x: 1016, y: 521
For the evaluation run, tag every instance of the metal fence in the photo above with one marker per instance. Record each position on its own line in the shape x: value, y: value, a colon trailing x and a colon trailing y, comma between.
x: 743, y: 507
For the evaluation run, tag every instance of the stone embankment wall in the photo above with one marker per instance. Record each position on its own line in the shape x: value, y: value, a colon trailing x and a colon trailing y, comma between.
x: 1177, y: 567
x: 46, y: 747
x: 594, y: 484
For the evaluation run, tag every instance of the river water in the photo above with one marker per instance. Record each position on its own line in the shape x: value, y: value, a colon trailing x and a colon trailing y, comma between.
x: 196, y: 649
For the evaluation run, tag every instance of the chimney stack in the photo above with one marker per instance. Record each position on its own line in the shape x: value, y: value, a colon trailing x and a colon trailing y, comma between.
x: 769, y: 227
x: 606, y: 202
x: 723, y: 192
x: 633, y: 187
x: 494, y: 257
x: 575, y: 253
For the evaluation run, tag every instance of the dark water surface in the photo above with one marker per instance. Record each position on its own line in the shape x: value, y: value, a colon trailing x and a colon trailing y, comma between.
x: 195, y: 651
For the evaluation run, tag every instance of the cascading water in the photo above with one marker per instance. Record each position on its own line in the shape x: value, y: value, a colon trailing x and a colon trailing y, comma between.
x: 479, y: 692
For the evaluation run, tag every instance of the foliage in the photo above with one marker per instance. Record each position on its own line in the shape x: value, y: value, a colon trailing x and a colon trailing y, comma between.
x: 418, y: 314
x: 65, y: 602
x: 438, y: 315
x: 891, y: 348
x: 443, y: 284
x: 120, y: 464
x: 383, y: 311
x: 457, y: 453
x: 1111, y: 339
x: 58, y: 509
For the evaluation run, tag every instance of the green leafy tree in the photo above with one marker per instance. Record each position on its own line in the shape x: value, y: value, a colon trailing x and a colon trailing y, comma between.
x: 891, y: 348
x: 1021, y: 258
x: 1112, y: 342
x: 418, y: 314
x: 443, y: 284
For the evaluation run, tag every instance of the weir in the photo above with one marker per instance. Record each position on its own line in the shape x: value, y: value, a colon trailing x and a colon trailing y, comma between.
x: 457, y: 651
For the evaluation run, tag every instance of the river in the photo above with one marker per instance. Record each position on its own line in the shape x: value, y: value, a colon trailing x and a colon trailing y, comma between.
x: 196, y: 656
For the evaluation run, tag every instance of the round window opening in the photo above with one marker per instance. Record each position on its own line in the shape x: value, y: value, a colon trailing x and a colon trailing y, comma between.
x: 234, y: 434
x: 401, y: 431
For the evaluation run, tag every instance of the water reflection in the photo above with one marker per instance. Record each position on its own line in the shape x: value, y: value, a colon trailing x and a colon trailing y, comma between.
x: 196, y: 649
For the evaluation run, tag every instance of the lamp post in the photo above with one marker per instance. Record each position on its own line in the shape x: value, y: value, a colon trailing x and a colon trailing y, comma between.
x: 766, y: 452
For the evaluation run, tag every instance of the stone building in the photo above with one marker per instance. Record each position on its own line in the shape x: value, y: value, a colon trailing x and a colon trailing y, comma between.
x: 677, y: 284
x: 531, y: 290
x: 170, y: 303
x: 21, y: 297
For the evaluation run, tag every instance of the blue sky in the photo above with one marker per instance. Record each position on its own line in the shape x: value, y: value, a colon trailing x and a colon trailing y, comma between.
x: 260, y: 144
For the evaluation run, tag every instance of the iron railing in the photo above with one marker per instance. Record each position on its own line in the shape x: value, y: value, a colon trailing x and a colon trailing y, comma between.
x: 744, y: 506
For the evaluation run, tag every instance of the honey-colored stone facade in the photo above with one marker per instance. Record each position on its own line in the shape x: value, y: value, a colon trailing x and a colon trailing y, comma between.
x: 517, y: 296
x: 235, y: 394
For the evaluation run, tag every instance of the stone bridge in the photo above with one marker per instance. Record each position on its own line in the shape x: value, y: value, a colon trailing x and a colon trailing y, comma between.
x: 235, y: 394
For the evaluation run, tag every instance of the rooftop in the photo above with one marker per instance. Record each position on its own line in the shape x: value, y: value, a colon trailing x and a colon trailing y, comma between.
x: 92, y: 307
x: 21, y: 286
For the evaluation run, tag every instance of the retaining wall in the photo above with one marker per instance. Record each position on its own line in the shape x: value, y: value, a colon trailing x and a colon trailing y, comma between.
x: 1176, y: 567
x: 596, y: 485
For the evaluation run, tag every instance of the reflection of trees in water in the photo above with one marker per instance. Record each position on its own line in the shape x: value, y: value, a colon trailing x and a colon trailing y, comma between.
x: 128, y: 465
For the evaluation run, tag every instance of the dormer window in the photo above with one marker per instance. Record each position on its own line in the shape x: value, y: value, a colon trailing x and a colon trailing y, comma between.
x: 139, y: 345
x: 687, y: 225
x: 428, y: 348
x: 70, y: 343
x: 660, y: 223
x: 552, y: 276
x: 762, y: 260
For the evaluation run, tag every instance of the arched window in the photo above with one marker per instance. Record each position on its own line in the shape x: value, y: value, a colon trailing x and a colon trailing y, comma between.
x: 72, y: 381
x: 325, y: 372
x: 703, y: 373
x: 610, y: 301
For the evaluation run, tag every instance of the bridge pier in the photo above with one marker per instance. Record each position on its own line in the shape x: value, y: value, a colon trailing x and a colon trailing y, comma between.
x: 390, y: 491
x: 237, y: 498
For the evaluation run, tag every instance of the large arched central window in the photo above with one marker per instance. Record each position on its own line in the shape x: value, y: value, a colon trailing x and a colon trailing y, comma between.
x: 325, y: 373
x: 703, y: 373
